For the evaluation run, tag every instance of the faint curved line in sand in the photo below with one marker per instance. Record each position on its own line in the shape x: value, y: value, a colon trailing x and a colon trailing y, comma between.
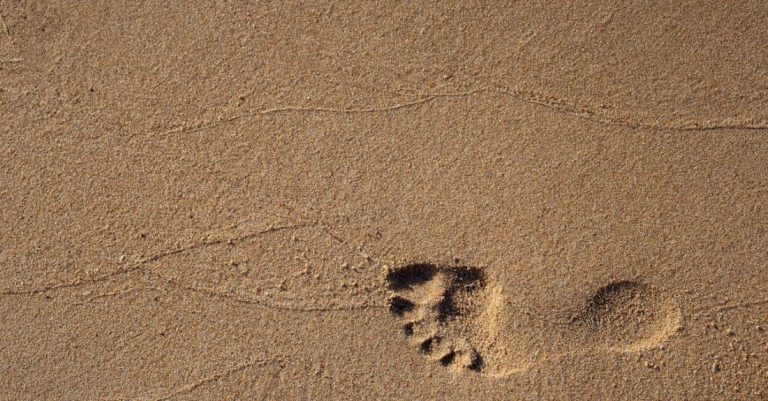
x: 551, y: 102
x: 265, y: 302
x: 214, y: 378
x: 727, y: 307
x: 139, y: 266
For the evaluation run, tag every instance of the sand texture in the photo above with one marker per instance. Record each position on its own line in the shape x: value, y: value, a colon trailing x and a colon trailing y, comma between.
x: 383, y: 201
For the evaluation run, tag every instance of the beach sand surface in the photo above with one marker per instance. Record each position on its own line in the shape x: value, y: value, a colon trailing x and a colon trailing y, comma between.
x: 383, y: 201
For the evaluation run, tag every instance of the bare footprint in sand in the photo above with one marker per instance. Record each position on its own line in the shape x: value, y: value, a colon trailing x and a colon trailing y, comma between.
x: 456, y: 315
x: 439, y: 305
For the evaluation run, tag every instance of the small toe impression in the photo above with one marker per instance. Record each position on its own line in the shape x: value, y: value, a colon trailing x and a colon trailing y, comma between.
x: 448, y: 358
x: 399, y: 305
x: 428, y: 345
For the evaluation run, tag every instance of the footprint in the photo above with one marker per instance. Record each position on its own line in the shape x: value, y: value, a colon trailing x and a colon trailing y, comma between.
x: 627, y: 316
x: 456, y: 315
x: 440, y: 306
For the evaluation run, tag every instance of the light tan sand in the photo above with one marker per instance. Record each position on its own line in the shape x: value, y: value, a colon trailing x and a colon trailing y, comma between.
x: 294, y: 201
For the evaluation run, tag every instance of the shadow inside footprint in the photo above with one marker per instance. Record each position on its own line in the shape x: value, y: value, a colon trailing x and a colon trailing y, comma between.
x: 399, y: 305
x: 463, y: 280
x: 410, y: 276
x: 628, y: 316
x: 608, y: 298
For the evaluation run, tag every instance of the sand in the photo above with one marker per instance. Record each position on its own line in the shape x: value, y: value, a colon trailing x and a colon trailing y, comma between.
x: 305, y: 201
